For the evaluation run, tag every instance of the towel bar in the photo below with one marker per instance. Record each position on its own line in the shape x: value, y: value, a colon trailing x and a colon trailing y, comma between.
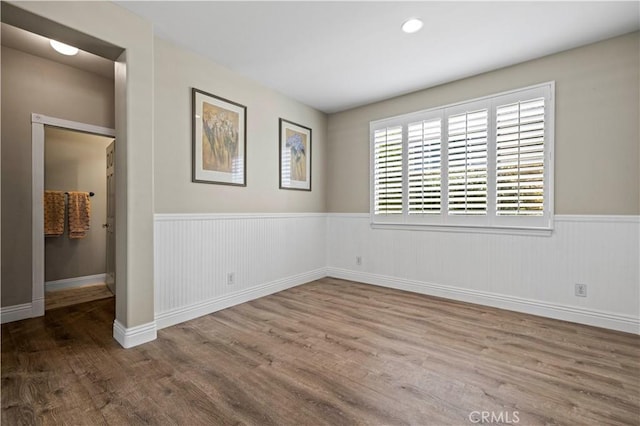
x: 91, y: 194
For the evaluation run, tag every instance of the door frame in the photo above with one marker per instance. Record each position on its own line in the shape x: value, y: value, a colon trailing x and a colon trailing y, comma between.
x: 38, y: 121
x: 110, y: 240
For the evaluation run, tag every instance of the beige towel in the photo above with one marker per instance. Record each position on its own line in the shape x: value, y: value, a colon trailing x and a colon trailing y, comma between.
x: 79, y: 214
x: 53, y: 213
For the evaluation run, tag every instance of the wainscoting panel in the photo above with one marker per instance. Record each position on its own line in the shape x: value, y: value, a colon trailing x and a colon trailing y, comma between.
x: 527, y: 273
x: 266, y: 253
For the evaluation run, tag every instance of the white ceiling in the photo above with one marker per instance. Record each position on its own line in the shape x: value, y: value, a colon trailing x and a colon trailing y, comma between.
x: 337, y: 55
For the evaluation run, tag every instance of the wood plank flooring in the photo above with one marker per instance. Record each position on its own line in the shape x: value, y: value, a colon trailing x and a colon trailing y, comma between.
x: 73, y: 296
x: 330, y: 352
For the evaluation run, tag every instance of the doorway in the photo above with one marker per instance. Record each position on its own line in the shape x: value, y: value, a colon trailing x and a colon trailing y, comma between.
x: 89, y: 27
x: 78, y: 247
x: 69, y: 256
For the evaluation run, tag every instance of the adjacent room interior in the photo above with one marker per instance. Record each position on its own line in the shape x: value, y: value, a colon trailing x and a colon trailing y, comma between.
x: 320, y: 213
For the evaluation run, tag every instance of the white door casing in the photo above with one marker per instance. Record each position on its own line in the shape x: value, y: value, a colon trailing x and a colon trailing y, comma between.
x: 38, y: 121
x: 111, y: 219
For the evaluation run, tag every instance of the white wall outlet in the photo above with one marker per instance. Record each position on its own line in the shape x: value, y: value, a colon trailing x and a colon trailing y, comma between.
x: 581, y: 290
x: 358, y: 260
x: 231, y: 278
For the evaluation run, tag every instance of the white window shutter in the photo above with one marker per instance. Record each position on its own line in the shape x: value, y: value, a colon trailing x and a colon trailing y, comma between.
x: 520, y: 158
x: 388, y: 171
x: 424, y: 167
x: 467, y: 163
x: 482, y: 163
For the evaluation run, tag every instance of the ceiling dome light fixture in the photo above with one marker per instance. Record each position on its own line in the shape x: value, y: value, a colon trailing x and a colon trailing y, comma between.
x: 64, y: 49
x: 412, y: 25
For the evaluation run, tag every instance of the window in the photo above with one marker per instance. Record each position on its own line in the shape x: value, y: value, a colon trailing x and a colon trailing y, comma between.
x: 424, y: 166
x: 467, y: 167
x: 388, y: 170
x: 482, y: 163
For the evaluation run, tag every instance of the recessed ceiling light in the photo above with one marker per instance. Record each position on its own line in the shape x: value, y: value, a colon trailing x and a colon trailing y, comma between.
x: 64, y: 49
x: 412, y: 25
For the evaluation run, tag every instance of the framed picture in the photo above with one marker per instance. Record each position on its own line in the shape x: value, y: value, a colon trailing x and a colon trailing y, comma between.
x: 219, y: 146
x: 295, y: 156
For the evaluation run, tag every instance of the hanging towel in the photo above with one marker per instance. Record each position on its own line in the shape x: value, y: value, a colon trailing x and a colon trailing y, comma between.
x: 53, y: 213
x: 79, y: 214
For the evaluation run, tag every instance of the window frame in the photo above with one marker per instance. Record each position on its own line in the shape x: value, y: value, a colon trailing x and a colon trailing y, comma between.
x: 491, y: 222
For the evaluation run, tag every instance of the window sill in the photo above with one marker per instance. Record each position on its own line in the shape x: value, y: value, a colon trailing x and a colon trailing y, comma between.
x: 540, y: 232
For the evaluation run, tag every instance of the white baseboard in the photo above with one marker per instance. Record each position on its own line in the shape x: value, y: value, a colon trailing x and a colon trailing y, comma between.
x: 608, y: 320
x: 16, y: 312
x: 22, y: 311
x: 134, y: 336
x: 75, y: 282
x: 186, y: 313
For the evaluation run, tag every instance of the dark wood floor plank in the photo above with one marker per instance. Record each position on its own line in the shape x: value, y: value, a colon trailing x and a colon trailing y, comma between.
x: 73, y: 296
x: 330, y: 352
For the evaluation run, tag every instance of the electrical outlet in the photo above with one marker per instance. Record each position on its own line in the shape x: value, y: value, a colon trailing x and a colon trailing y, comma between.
x: 581, y: 290
x: 358, y: 260
x: 231, y: 278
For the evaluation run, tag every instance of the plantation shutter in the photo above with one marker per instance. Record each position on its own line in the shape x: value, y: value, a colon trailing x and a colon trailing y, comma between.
x: 388, y: 171
x: 424, y: 167
x: 467, y: 160
x: 482, y: 163
x: 520, y: 152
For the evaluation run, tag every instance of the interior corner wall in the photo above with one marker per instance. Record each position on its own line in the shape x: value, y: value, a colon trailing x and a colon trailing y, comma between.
x: 32, y: 84
x: 596, y: 236
x: 596, y: 127
x: 219, y: 245
x: 177, y: 71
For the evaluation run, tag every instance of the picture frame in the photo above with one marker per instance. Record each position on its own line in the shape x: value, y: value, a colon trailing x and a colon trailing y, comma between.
x: 219, y: 140
x: 295, y: 151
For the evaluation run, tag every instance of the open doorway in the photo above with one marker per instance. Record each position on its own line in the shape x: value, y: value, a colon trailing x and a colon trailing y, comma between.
x: 80, y: 88
x: 78, y: 249
x: 78, y: 153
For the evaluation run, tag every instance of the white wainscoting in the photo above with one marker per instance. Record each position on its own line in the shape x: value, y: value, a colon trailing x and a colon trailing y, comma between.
x: 271, y: 252
x: 265, y: 252
x: 525, y: 273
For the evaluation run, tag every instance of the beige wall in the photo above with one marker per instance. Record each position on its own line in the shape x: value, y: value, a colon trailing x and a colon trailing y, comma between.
x: 32, y: 84
x: 596, y: 127
x: 75, y: 161
x: 175, y: 73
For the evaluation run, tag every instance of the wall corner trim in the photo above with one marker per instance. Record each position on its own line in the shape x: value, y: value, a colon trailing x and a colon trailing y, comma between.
x: 134, y: 336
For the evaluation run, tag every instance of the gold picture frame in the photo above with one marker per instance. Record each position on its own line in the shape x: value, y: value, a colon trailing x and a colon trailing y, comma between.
x: 219, y: 140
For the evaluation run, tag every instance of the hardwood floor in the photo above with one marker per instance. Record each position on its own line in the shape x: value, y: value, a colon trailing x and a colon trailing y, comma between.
x: 329, y: 352
x: 73, y: 296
